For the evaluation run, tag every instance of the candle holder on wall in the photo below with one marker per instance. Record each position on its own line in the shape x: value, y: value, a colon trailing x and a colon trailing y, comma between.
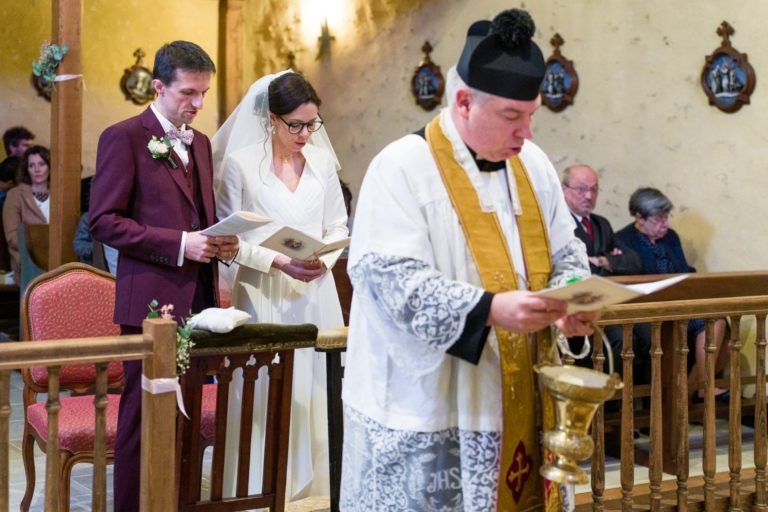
x: 427, y: 84
x: 560, y: 79
x: 727, y: 78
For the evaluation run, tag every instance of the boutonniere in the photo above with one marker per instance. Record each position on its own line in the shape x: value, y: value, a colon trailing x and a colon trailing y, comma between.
x: 161, y: 148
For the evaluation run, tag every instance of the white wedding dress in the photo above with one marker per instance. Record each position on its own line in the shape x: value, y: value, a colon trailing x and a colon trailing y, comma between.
x: 316, y: 207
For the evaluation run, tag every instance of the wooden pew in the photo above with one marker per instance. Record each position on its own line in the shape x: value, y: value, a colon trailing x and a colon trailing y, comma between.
x: 37, y: 244
x: 221, y: 354
x: 33, y: 252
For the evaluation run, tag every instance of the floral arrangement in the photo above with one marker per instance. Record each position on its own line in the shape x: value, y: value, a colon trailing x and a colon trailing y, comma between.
x: 161, y: 148
x: 183, y: 334
x: 50, y: 57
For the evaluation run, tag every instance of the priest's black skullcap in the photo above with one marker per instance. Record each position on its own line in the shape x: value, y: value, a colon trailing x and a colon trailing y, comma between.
x: 500, y: 58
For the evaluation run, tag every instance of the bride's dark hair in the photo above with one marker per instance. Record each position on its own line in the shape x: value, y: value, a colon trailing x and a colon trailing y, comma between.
x: 289, y: 91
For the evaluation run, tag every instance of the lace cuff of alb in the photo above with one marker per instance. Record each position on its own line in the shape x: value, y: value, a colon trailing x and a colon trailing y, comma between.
x: 160, y: 386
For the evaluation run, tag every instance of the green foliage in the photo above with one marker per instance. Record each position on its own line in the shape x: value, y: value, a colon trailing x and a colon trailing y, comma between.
x: 50, y: 57
x: 183, y: 333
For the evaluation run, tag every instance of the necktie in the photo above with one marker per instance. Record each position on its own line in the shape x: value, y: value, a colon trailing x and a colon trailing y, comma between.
x: 184, y: 136
x: 588, y: 227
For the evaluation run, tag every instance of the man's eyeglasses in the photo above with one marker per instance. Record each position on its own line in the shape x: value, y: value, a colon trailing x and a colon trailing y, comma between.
x: 583, y: 190
x: 295, y: 127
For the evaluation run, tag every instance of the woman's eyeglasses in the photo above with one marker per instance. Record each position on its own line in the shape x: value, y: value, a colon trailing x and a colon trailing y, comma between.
x: 295, y: 127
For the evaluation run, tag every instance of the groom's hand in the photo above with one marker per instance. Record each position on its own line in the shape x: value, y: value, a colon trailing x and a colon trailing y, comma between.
x: 199, y: 247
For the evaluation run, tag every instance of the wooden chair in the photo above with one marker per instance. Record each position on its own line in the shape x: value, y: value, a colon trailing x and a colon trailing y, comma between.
x: 343, y: 287
x: 73, y: 301
x: 99, y: 259
x: 33, y: 252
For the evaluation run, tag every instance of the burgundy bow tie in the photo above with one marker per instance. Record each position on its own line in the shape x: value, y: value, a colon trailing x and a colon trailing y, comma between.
x: 184, y: 136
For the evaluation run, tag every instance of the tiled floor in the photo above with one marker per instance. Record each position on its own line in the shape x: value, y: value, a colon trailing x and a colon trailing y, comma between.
x: 82, y: 474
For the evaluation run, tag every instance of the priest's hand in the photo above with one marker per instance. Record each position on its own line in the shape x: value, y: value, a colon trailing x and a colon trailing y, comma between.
x: 523, y: 311
x: 302, y: 270
x: 577, y: 324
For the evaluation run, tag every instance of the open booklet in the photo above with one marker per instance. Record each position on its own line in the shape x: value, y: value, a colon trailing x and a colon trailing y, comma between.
x: 597, y: 292
x: 299, y: 245
x: 236, y: 223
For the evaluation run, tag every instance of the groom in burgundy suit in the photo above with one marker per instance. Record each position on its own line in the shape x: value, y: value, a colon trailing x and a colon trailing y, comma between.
x: 151, y: 205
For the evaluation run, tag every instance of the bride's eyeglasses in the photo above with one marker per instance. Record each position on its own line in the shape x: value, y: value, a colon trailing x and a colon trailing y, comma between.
x: 295, y: 127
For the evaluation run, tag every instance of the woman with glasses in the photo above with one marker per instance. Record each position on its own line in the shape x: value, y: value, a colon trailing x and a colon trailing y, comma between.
x: 273, y: 157
x: 660, y: 251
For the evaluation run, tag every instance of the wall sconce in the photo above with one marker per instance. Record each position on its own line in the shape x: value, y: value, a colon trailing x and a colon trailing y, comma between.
x: 324, y: 41
x: 329, y: 14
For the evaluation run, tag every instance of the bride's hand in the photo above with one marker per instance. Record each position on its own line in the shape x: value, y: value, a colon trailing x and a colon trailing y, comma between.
x: 303, y: 270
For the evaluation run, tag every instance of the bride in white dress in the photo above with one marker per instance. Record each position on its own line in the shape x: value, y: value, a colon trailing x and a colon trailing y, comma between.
x: 272, y: 157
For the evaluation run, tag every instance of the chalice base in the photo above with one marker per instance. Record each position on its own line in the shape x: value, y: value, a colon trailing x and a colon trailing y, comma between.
x: 564, y: 471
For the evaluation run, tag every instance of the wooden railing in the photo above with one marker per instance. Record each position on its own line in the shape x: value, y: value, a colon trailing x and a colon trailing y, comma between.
x: 710, y: 296
x: 666, y: 409
x: 157, y: 348
x: 734, y: 296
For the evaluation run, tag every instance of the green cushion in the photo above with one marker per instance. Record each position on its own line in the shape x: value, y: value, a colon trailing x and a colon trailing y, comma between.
x: 255, y: 337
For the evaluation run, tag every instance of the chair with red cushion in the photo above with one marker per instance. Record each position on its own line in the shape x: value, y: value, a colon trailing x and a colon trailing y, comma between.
x: 72, y: 301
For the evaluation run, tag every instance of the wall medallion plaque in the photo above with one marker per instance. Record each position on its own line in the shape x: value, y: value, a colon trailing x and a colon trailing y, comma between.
x: 560, y: 79
x: 136, y: 83
x: 727, y: 77
x: 427, y: 84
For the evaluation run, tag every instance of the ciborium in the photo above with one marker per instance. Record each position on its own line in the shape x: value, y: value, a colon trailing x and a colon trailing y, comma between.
x: 577, y: 393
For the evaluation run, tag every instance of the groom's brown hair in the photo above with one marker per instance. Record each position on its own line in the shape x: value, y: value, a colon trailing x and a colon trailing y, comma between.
x: 180, y: 55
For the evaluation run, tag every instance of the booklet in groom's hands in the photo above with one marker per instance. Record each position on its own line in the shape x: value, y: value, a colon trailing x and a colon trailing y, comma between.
x: 236, y: 223
x: 597, y: 292
x: 299, y: 245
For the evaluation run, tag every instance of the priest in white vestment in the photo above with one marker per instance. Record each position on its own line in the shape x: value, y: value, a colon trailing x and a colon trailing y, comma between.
x: 423, y: 388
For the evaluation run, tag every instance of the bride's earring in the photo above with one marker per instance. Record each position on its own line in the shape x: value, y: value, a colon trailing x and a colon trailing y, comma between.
x: 274, y: 129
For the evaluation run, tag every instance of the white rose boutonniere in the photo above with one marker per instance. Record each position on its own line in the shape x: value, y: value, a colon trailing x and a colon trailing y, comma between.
x: 161, y: 148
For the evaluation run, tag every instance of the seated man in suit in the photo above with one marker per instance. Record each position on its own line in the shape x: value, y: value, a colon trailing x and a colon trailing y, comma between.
x: 607, y: 254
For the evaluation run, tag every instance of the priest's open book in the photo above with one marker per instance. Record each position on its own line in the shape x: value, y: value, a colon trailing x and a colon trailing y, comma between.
x: 597, y: 292
x: 299, y: 245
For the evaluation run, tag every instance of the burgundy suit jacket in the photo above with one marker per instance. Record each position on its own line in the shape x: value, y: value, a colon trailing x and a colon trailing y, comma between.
x: 140, y: 206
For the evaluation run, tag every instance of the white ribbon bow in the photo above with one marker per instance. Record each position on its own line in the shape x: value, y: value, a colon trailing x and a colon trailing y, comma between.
x: 160, y: 386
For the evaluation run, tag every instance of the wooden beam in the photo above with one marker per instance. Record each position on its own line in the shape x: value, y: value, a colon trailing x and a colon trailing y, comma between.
x: 230, y: 61
x: 66, y: 134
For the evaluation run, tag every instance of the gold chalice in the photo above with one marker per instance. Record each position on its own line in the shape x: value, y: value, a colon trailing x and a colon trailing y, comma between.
x: 577, y: 392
